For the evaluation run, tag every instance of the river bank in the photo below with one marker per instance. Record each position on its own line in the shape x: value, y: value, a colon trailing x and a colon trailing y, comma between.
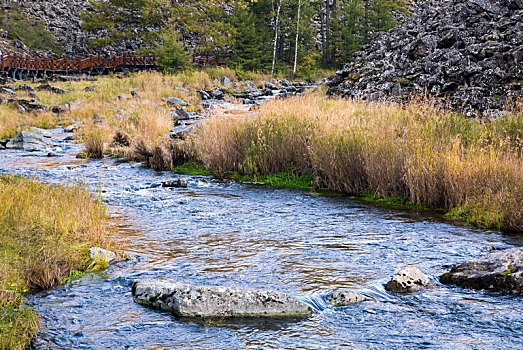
x: 46, y: 231
x: 418, y: 153
x: 224, y: 233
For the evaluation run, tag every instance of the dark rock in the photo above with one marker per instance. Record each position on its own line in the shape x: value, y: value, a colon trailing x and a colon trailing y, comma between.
x: 500, y: 271
x: 134, y: 94
x: 53, y: 89
x: 466, y: 53
x: 25, y: 106
x: 204, y: 95
x: 180, y: 182
x: 90, y: 89
x: 408, y: 279
x: 217, y: 94
x: 25, y: 87
x: 269, y: 86
x: 180, y: 114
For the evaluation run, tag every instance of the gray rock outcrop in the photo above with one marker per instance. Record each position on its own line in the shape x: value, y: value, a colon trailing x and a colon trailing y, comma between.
x: 29, y: 141
x: 500, y: 271
x: 467, y: 53
x: 408, y: 279
x: 208, y: 301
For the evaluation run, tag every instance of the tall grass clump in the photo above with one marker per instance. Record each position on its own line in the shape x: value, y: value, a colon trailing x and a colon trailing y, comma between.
x: 473, y: 169
x: 45, y: 231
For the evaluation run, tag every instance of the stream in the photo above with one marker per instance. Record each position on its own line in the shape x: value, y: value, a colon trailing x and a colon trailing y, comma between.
x: 224, y: 233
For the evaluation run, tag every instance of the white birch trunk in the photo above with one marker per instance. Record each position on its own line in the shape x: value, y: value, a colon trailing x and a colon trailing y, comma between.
x: 275, y: 36
x: 297, y: 37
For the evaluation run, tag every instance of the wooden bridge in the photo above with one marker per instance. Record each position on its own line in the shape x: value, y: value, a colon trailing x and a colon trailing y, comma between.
x: 24, y: 67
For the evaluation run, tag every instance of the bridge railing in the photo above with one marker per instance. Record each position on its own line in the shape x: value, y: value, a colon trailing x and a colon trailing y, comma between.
x: 11, y: 61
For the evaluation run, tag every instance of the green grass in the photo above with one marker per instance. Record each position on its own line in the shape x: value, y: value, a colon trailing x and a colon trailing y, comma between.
x: 280, y: 180
x: 192, y: 169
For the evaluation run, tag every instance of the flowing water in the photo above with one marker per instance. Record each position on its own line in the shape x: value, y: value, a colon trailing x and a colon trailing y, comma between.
x: 224, y: 233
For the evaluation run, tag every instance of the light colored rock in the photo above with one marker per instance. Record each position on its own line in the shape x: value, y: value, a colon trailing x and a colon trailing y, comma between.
x: 175, y: 101
x: 209, y: 301
x: 72, y: 128
x: 408, y: 279
x: 500, y: 271
x: 346, y: 298
x: 29, y: 141
x: 225, y: 81
x: 97, y: 253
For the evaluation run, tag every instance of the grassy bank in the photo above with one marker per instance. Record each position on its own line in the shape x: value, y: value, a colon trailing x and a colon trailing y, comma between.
x: 108, y: 105
x: 470, y: 168
x: 45, y: 231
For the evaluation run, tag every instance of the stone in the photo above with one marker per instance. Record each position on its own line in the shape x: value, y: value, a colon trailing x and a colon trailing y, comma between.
x: 180, y: 114
x: 177, y: 102
x: 209, y: 301
x: 25, y: 87
x: 499, y: 271
x: 134, y: 94
x: 269, y: 86
x: 408, y: 279
x: 53, y: 89
x: 90, y: 89
x: 181, y: 132
x: 225, y: 81
x: 217, y: 94
x: 101, y: 254
x: 25, y: 106
x: 345, y: 298
x: 180, y: 182
x: 29, y: 141
x: 204, y: 95
x: 72, y: 128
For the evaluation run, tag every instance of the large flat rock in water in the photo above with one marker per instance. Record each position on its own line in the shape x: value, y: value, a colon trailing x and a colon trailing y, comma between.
x: 500, y: 271
x: 210, y: 301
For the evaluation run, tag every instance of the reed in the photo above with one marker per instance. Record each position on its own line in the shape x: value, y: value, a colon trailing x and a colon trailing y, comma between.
x: 471, y: 168
x: 45, y: 231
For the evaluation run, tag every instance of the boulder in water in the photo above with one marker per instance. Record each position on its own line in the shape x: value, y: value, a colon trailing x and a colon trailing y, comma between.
x: 346, y: 298
x: 29, y: 141
x: 408, y: 279
x: 500, y: 271
x: 209, y: 301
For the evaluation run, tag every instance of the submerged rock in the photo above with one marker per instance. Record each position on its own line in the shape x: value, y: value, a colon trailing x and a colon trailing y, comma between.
x: 97, y: 253
x: 346, y: 298
x: 500, y: 271
x: 408, y: 279
x: 181, y: 182
x: 210, y: 301
x: 29, y: 141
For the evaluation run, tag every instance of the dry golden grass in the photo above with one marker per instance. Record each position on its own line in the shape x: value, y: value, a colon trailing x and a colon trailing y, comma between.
x: 472, y: 168
x: 45, y: 231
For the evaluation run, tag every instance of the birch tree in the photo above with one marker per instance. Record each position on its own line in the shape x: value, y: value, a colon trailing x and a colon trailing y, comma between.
x: 276, y: 23
x: 297, y: 37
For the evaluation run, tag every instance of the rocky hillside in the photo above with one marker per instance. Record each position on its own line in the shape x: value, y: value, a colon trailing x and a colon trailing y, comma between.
x: 63, y: 19
x: 468, y: 53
